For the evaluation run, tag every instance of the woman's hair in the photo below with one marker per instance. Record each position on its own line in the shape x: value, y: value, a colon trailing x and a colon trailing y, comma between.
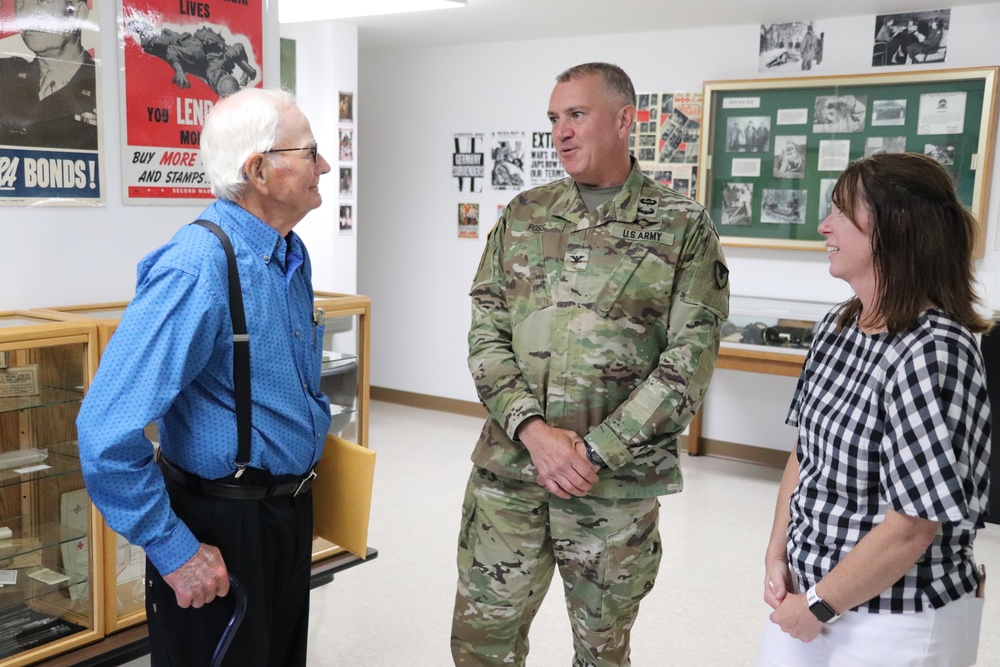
x: 922, y: 240
x: 236, y: 128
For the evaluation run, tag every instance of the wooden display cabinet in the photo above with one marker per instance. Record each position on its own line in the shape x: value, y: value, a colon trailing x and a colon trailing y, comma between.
x: 346, y: 343
x: 52, y: 597
x: 345, y: 374
x: 125, y: 565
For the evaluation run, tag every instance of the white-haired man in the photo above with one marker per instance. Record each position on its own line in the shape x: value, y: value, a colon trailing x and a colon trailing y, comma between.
x: 196, y: 511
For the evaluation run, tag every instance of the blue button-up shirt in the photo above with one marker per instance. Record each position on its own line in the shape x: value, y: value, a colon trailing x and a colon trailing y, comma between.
x: 171, y: 361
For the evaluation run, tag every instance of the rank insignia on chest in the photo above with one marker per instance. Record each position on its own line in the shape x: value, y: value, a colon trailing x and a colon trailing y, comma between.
x: 576, y: 259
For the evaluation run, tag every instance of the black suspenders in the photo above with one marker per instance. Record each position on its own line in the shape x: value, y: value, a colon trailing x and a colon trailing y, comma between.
x: 241, y: 351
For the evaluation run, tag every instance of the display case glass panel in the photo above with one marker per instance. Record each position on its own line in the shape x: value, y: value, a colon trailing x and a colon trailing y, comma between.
x: 49, y: 563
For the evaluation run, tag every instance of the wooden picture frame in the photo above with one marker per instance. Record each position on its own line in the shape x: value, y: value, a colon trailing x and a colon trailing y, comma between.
x: 769, y: 188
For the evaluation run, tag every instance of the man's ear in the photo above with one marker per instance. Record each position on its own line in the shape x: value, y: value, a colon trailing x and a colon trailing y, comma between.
x: 625, y: 120
x: 253, y: 170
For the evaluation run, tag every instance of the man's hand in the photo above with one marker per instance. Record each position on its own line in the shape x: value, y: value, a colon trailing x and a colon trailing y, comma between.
x: 198, y: 581
x: 560, y: 457
x: 180, y: 79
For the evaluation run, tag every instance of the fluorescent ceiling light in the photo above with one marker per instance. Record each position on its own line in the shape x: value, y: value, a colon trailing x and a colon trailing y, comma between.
x: 293, y: 11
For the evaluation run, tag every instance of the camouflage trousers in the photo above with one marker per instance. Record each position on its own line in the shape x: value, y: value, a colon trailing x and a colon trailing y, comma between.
x: 513, y: 536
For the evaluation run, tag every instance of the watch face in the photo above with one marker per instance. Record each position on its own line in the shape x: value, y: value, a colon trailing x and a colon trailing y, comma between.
x: 822, y: 611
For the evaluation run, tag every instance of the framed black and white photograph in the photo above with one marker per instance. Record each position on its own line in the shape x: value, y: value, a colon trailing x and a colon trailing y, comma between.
x: 790, y: 46
x: 888, y: 113
x: 784, y: 206
x: 737, y: 204
x: 913, y: 38
x: 826, y: 186
x: 943, y: 153
x: 748, y: 134
x: 789, y: 156
x: 840, y: 113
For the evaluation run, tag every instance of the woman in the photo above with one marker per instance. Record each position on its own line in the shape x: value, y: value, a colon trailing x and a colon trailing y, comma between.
x: 881, y: 498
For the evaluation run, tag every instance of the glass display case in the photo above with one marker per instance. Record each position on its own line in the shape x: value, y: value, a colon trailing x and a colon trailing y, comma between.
x: 51, y: 594
x: 763, y: 335
x: 125, y: 564
x: 777, y: 324
x: 346, y: 341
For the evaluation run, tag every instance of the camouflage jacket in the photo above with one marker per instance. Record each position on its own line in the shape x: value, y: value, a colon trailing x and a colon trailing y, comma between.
x: 606, y: 324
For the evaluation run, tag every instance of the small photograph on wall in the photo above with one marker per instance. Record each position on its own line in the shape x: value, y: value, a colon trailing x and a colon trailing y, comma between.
x: 913, y: 38
x: 943, y: 153
x: 345, y: 150
x: 346, y: 106
x: 841, y: 113
x: 790, y: 157
x: 736, y: 203
x: 748, y: 134
x: 346, y: 181
x: 790, y: 46
x: 888, y: 113
x: 875, y: 145
x: 786, y: 207
x: 468, y: 221
x: 346, y: 219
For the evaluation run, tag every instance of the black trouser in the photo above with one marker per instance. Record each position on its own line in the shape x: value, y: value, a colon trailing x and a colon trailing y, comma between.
x: 267, y: 546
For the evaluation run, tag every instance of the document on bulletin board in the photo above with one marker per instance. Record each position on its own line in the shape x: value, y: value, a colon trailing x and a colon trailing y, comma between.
x: 179, y: 59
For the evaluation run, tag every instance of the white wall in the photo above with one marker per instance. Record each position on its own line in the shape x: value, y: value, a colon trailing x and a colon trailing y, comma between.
x: 59, y: 256
x: 418, y: 273
x: 327, y: 63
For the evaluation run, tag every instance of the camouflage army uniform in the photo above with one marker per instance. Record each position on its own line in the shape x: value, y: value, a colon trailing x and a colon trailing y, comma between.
x: 606, y: 324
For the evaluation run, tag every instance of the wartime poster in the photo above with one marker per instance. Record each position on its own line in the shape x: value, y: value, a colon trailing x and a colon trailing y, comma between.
x: 545, y: 166
x: 178, y: 60
x: 50, y: 108
x: 680, y: 128
x: 468, y: 221
x: 666, y: 138
x: 468, y: 162
x: 508, y: 151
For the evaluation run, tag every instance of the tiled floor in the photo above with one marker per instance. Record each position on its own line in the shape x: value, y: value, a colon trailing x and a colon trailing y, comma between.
x: 705, y: 611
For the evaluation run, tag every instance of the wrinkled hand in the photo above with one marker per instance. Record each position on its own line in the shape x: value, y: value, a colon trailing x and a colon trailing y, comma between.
x: 794, y: 617
x: 777, y: 584
x: 198, y: 581
x: 560, y: 457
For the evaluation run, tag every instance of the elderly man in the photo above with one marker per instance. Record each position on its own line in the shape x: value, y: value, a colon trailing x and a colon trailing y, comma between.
x: 595, y: 328
x: 49, y: 101
x: 200, y: 514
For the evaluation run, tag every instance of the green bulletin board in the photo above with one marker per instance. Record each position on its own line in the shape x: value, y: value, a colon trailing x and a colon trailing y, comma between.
x: 772, y: 149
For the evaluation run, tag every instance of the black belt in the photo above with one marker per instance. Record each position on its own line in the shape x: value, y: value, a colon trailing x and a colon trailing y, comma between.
x: 282, y: 486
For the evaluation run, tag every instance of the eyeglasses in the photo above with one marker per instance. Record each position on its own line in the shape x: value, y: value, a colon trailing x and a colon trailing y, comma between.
x: 313, y: 150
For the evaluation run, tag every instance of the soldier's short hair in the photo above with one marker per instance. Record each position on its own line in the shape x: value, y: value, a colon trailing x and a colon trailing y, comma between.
x: 616, y: 81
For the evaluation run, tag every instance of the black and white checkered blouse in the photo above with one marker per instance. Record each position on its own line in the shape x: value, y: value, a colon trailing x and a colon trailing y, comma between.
x: 900, y: 421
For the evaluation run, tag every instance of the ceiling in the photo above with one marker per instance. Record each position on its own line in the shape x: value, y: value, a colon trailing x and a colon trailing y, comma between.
x: 508, y: 20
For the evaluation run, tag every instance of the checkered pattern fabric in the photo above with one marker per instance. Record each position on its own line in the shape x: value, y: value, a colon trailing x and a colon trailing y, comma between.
x: 900, y: 421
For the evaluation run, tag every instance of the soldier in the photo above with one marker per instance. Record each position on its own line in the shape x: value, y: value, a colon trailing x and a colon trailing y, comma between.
x: 596, y: 312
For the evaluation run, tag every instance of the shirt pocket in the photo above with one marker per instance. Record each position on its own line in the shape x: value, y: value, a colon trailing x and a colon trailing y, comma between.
x: 528, y: 287
x: 636, y: 294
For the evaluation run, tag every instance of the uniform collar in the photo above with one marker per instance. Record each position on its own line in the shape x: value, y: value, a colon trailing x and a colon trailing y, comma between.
x: 621, y: 208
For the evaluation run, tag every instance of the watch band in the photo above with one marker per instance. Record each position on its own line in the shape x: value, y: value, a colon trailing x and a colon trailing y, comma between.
x: 819, y: 607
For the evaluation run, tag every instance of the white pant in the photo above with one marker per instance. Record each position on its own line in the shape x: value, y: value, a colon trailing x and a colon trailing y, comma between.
x: 945, y: 637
